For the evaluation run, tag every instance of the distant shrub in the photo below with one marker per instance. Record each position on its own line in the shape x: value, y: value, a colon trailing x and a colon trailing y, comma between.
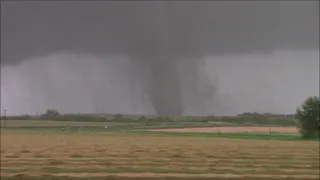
x: 118, y: 117
x: 50, y: 114
x: 143, y: 119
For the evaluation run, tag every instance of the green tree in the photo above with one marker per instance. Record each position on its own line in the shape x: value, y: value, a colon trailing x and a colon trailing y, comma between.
x: 50, y: 114
x: 308, y: 116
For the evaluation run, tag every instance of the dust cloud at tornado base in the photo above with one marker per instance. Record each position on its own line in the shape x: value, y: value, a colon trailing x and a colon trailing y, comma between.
x: 223, y: 85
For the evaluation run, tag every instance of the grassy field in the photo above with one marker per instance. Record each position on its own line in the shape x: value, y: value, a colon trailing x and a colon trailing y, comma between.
x: 133, y: 124
x: 39, y: 123
x: 46, y: 123
x: 153, y: 155
x: 232, y: 129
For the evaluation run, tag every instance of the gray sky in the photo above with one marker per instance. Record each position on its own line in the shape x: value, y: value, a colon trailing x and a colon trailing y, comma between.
x: 197, y: 28
x: 229, y: 56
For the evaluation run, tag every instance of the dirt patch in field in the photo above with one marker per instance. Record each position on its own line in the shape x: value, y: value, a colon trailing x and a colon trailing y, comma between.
x: 233, y: 129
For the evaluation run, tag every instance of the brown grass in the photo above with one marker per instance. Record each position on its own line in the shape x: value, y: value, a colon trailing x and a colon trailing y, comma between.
x: 81, y: 154
x: 233, y: 129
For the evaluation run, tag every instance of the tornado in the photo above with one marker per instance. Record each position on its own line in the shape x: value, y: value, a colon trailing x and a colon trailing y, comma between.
x: 163, y: 84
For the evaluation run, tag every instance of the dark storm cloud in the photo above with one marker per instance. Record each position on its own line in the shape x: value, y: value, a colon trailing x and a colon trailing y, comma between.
x: 196, y: 28
x: 157, y: 34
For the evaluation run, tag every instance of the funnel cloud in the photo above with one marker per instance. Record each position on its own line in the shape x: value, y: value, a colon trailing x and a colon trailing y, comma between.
x: 161, y: 57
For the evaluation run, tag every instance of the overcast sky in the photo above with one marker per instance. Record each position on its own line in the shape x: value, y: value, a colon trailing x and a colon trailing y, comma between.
x: 97, y: 56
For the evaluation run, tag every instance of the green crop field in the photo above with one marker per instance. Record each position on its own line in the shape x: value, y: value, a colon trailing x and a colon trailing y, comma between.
x: 154, y: 155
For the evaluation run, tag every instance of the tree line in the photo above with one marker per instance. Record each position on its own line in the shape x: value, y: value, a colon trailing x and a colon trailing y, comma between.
x: 306, y: 118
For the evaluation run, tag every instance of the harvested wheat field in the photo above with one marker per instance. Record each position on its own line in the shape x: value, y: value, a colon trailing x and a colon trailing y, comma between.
x: 233, y: 129
x: 135, y: 156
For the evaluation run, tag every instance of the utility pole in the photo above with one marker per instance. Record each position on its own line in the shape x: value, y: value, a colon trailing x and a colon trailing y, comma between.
x: 4, y: 118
